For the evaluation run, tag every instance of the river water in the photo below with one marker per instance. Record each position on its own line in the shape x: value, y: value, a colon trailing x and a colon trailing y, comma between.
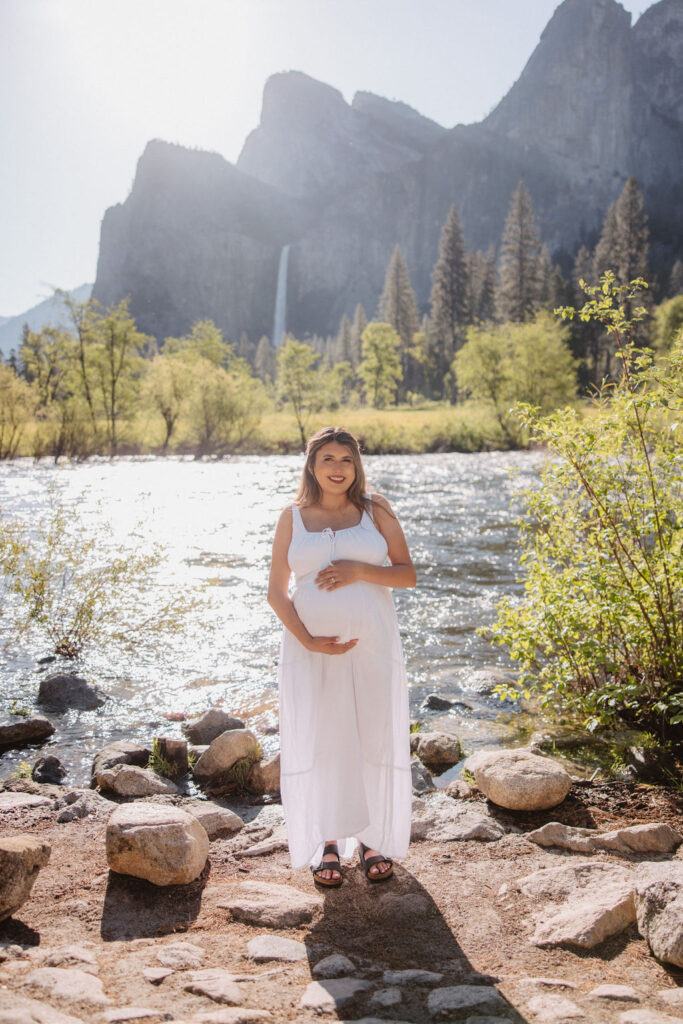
x: 215, y: 521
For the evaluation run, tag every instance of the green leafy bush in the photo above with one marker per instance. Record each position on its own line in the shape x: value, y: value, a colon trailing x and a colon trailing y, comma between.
x: 599, y: 629
x: 71, y: 591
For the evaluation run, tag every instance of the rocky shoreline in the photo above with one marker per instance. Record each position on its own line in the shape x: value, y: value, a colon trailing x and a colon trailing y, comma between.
x: 526, y: 895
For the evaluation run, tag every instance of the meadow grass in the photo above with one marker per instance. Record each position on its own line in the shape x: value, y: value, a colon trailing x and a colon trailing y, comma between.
x: 404, y: 429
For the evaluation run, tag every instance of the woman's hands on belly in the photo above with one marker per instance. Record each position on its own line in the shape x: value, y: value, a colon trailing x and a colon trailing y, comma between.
x: 339, y: 574
x: 330, y: 645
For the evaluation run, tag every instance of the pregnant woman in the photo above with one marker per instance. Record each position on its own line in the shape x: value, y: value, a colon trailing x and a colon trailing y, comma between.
x: 344, y: 724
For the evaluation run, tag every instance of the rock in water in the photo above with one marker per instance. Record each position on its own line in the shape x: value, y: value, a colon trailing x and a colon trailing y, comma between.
x: 28, y: 730
x: 659, y: 909
x: 265, y: 776
x: 129, y: 780
x: 49, y: 769
x: 64, y: 690
x: 162, y: 844
x: 21, y: 858
x: 438, y: 750
x: 210, y: 725
x: 119, y: 752
x: 223, y: 752
x: 518, y: 779
x: 421, y: 777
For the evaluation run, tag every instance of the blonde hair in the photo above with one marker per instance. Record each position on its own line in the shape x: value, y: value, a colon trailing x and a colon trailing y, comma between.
x: 309, y: 489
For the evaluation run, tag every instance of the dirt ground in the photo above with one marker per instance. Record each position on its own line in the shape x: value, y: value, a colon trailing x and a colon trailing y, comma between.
x: 470, y: 933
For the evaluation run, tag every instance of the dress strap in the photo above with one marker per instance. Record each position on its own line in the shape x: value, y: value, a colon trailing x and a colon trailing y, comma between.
x: 297, y: 521
x: 369, y: 509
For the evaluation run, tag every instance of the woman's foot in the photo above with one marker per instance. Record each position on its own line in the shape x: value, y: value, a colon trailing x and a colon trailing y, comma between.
x: 330, y: 876
x: 374, y: 864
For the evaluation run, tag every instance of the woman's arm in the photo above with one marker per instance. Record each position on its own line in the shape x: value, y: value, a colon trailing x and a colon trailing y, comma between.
x: 280, y: 601
x: 401, y: 572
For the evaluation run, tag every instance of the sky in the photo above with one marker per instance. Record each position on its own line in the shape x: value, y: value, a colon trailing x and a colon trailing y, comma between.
x: 84, y: 85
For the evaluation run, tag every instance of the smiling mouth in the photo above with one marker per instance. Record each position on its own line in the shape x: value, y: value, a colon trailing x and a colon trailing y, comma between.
x: 337, y: 479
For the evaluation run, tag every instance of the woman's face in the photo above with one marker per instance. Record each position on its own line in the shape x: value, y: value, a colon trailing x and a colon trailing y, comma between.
x: 334, y: 468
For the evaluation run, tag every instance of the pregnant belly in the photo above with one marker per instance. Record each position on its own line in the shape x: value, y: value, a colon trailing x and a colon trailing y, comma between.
x: 332, y: 612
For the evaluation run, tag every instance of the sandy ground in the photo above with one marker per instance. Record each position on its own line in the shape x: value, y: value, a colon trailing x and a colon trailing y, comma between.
x: 470, y: 934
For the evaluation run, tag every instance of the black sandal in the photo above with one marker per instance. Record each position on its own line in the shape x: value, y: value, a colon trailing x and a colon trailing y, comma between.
x: 366, y: 864
x: 328, y: 865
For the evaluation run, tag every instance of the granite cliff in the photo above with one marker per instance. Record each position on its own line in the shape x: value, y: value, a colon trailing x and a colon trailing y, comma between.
x: 343, y: 183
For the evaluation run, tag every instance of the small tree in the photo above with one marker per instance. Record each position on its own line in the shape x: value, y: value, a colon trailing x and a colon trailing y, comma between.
x: 298, y: 382
x: 167, y: 387
x: 18, y: 401
x: 74, y: 592
x: 528, y: 362
x: 599, y: 628
x: 225, y: 406
x: 380, y: 367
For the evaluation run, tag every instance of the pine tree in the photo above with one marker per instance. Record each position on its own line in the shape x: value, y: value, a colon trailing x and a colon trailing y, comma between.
x: 606, y: 252
x: 518, y: 291
x: 487, y: 295
x: 398, y: 307
x: 360, y: 322
x: 450, y: 293
x: 581, y: 271
x: 344, y: 341
x: 676, y: 279
x: 632, y: 234
x: 265, y: 360
x: 545, y: 278
x: 246, y: 349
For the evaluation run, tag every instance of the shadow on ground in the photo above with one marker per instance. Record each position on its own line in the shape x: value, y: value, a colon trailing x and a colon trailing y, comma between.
x: 136, y: 909
x: 396, y: 926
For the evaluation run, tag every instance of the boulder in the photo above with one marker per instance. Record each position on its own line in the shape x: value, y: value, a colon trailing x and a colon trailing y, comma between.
x: 216, y: 820
x: 598, y: 902
x: 120, y: 752
x: 439, y: 818
x: 81, y: 803
x: 438, y: 750
x: 483, y: 681
x: 10, y: 801
x: 63, y: 690
x: 162, y: 844
x: 519, y: 780
x: 49, y: 769
x: 421, y: 777
x: 21, y: 858
x: 210, y: 725
x: 265, y: 776
x: 650, y: 838
x: 275, y: 906
x: 224, y: 751
x: 659, y: 909
x: 28, y: 730
x: 650, y: 764
x: 129, y: 780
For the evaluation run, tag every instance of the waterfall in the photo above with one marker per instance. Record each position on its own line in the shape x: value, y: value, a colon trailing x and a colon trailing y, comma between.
x: 280, y: 318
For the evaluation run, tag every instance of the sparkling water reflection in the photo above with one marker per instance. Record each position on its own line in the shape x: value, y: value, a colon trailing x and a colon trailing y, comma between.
x: 215, y: 522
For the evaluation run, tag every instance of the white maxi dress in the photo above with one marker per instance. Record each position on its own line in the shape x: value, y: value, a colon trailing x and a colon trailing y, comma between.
x: 344, y: 721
